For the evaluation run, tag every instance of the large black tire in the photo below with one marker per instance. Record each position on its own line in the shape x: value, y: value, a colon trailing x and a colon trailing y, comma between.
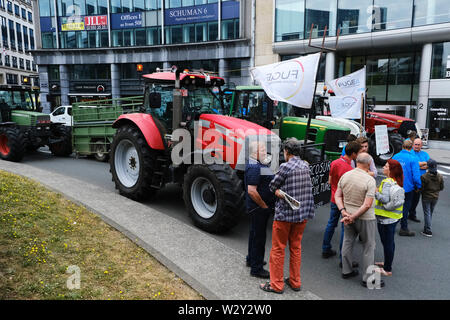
x: 312, y: 155
x: 146, y: 161
x: 223, y: 201
x: 64, y: 147
x: 395, y: 146
x: 12, y: 144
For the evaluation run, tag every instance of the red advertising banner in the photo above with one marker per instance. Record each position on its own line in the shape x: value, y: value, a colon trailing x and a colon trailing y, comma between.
x: 96, y: 22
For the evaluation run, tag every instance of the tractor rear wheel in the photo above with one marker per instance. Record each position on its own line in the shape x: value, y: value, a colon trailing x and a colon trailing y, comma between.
x: 395, y: 146
x: 12, y: 144
x: 62, y: 148
x: 133, y: 164
x: 214, y: 196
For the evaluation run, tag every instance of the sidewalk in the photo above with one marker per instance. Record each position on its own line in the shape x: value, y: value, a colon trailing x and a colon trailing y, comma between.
x: 217, y: 271
x: 441, y: 156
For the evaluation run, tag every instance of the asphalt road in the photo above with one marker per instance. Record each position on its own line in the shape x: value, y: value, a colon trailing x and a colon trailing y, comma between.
x: 420, y: 269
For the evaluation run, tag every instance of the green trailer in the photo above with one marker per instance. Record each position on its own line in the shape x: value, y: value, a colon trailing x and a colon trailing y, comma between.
x: 92, y: 131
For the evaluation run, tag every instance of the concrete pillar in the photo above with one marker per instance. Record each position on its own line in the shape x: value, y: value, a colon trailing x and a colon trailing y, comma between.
x: 223, y: 68
x: 424, y: 85
x: 330, y: 62
x: 115, y: 81
x: 44, y: 88
x: 64, y: 84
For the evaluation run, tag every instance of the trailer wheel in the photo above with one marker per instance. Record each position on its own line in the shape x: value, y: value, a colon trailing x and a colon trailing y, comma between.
x: 395, y: 146
x: 100, y: 153
x: 12, y: 144
x: 214, y: 196
x: 132, y: 164
x: 64, y: 147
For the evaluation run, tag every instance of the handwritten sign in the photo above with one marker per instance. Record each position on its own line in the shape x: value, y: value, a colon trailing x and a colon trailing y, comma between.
x: 319, y: 178
x: 382, y: 139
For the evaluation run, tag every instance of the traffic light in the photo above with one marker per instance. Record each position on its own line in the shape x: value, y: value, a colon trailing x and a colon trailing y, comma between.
x: 140, y: 68
x: 25, y: 80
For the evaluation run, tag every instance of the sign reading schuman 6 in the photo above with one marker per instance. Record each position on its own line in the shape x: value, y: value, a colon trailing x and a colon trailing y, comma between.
x: 319, y: 178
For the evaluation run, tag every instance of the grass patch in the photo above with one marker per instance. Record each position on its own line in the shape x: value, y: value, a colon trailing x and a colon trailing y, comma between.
x: 45, y: 240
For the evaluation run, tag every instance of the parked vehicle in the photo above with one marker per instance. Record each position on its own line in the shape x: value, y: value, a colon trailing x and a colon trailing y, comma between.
x: 251, y: 103
x: 62, y: 115
x: 92, y: 129
x: 23, y: 129
x: 141, y: 152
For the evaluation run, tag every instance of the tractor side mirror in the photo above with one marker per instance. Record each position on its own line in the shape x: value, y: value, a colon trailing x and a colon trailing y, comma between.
x: 155, y: 100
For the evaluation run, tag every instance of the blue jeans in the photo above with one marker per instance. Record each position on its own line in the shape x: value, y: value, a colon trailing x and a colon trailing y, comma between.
x: 329, y: 230
x: 409, y: 198
x: 387, y: 233
x: 428, y: 208
x: 415, y: 202
x: 257, y: 238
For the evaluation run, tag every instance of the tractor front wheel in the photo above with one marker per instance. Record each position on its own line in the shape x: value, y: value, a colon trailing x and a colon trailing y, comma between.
x: 132, y: 164
x: 12, y: 144
x: 214, y: 196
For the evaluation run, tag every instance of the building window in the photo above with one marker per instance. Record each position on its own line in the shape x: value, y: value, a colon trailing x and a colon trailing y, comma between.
x: 90, y: 72
x: 53, y: 72
x: 439, y: 119
x: 33, y: 67
x: 12, y: 78
x: 24, y: 13
x: 28, y: 65
x: 19, y: 37
x: 30, y: 17
x: 289, y: 20
x: 235, y: 68
x: 31, y: 39
x: 353, y: 16
x: 17, y: 10
x: 4, y: 33
x: 12, y: 35
x: 25, y: 38
x: 389, y: 14
x: 440, y: 65
x: 46, y: 8
x: 230, y: 29
x: 14, y: 62
x: 2, y: 4
x: 431, y: 12
x: 48, y: 40
x: 321, y: 13
x: 21, y: 63
x: 10, y: 10
x: 7, y: 61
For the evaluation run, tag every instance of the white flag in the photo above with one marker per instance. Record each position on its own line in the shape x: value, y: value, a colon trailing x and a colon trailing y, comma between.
x: 353, y: 84
x: 348, y: 107
x: 292, y: 81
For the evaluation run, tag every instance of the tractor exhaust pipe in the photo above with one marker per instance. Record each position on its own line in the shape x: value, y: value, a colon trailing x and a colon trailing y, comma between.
x: 177, y: 102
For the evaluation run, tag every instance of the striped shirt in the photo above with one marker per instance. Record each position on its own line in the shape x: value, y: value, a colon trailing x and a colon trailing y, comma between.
x: 294, y: 178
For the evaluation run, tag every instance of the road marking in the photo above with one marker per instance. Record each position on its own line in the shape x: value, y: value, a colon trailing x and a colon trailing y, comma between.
x: 445, y: 167
x: 444, y: 173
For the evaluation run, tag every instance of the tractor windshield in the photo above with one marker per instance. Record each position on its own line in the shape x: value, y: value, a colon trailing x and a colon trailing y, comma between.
x: 16, y: 100
x: 196, y: 101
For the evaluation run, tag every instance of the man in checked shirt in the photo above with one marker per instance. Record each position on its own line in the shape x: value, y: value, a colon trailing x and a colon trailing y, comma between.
x: 294, y: 179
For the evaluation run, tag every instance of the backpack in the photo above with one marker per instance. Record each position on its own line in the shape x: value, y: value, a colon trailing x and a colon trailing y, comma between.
x: 396, y: 197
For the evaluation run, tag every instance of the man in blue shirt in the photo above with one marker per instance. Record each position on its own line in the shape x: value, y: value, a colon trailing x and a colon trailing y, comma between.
x: 411, y: 182
x: 422, y: 158
x: 260, y: 205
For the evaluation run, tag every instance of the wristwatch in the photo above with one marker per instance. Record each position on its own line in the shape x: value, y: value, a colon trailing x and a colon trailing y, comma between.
x: 342, y: 209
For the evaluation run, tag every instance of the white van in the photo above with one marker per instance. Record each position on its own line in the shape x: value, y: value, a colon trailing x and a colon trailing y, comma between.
x: 62, y: 115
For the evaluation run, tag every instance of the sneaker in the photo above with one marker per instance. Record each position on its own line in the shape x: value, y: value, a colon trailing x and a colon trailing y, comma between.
x: 328, y: 254
x: 428, y: 234
x: 406, y: 233
x: 352, y: 274
x: 364, y: 283
x: 248, y: 263
x: 263, y: 274
x: 413, y: 219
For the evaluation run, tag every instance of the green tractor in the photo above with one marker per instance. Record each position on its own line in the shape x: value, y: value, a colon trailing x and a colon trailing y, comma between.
x: 23, y: 128
x: 252, y: 104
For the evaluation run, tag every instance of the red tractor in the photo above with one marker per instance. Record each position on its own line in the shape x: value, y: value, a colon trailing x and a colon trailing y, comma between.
x: 206, y: 154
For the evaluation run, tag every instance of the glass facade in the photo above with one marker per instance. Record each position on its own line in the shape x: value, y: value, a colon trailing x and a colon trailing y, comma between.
x: 293, y: 18
x: 136, y: 22
x: 391, y: 78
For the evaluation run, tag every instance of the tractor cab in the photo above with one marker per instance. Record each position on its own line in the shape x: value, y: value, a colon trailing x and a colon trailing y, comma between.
x: 200, y: 94
x: 14, y: 98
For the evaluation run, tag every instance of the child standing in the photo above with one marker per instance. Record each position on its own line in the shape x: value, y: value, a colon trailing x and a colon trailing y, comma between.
x: 432, y: 184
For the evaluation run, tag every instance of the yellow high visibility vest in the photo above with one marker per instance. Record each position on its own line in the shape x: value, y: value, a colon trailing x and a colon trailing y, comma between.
x: 381, y: 211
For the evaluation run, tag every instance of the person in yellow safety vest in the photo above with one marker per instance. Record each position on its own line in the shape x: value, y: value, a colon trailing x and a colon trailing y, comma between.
x: 388, y: 219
